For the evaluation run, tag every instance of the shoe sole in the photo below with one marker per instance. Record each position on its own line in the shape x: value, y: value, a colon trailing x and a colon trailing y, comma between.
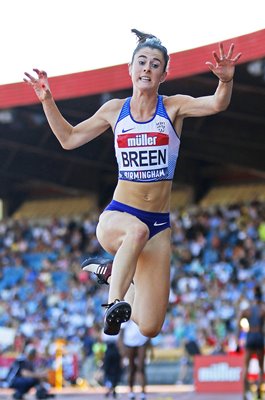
x: 117, y: 314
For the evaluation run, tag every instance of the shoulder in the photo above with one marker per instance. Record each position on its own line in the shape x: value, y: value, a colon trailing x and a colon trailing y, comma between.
x: 110, y: 110
x: 113, y: 104
x: 174, y: 106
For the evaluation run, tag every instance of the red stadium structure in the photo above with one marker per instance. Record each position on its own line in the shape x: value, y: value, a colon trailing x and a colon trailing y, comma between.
x: 220, y: 149
x: 182, y: 64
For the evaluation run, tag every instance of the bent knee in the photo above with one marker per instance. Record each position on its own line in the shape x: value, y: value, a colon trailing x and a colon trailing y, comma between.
x: 107, y: 232
x: 138, y: 233
x: 150, y: 330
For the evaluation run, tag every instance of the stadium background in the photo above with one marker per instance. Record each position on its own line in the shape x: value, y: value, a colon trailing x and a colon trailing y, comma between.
x: 223, y: 149
x: 221, y: 158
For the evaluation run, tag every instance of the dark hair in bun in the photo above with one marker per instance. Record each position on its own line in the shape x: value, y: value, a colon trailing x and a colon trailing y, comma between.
x: 149, y: 40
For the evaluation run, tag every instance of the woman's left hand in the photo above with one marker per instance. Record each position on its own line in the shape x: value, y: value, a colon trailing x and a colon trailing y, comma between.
x: 225, y: 65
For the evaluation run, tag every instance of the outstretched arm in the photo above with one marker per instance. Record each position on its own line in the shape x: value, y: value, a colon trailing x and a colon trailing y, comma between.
x: 69, y: 136
x: 224, y: 69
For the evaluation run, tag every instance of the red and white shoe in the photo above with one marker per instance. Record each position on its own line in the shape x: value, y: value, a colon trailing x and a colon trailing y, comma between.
x: 100, y: 267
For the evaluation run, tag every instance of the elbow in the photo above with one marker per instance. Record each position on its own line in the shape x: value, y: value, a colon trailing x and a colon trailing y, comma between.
x: 221, y: 107
x: 67, y: 140
x: 67, y: 143
x: 224, y: 108
x: 221, y: 104
x: 66, y: 146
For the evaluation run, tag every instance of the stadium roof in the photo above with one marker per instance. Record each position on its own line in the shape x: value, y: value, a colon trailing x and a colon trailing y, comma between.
x: 226, y: 146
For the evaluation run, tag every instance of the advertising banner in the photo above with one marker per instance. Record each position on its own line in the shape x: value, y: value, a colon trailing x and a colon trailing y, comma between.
x: 218, y: 373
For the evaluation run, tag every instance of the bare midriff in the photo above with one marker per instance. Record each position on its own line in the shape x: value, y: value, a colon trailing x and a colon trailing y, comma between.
x: 151, y: 196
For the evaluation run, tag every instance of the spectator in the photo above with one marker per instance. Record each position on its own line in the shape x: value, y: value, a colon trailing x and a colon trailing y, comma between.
x: 255, y: 314
x: 213, y: 287
x: 134, y: 346
x: 24, y: 375
x: 112, y: 366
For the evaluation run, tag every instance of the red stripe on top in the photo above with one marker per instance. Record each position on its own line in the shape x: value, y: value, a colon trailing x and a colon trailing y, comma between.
x: 182, y: 64
x: 142, y: 139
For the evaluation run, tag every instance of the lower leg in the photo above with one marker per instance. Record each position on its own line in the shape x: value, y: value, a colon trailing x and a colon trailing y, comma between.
x: 141, y: 367
x: 131, y: 370
x: 261, y: 366
x: 142, y: 380
x: 245, y: 371
x: 124, y: 236
x: 131, y: 377
x: 124, y: 265
x: 102, y: 268
x: 261, y: 373
x: 152, y: 283
x: 129, y: 296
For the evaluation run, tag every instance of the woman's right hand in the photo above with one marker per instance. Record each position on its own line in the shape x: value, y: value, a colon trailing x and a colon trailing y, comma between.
x: 39, y: 84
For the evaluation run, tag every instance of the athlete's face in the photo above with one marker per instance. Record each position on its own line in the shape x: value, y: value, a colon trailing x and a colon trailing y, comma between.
x: 147, y: 68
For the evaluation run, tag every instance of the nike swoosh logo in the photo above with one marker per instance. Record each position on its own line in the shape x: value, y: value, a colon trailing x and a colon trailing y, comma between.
x: 127, y: 130
x: 159, y: 223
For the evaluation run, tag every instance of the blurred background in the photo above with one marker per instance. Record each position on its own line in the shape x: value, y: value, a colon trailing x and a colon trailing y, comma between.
x: 50, y: 200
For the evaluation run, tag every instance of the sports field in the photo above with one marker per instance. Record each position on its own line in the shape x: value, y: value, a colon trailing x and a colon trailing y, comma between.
x: 185, y: 392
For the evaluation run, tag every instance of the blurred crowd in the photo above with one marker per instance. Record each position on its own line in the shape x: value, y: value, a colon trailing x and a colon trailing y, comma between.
x: 218, y: 256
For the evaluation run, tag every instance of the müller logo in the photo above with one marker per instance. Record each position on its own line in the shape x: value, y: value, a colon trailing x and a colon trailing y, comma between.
x: 142, y: 140
x: 221, y: 372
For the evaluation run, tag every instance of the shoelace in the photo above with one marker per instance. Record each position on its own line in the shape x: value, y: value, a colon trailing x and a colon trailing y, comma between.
x: 108, y: 305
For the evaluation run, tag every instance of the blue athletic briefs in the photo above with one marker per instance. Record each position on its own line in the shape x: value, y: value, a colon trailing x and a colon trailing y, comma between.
x: 156, y: 222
